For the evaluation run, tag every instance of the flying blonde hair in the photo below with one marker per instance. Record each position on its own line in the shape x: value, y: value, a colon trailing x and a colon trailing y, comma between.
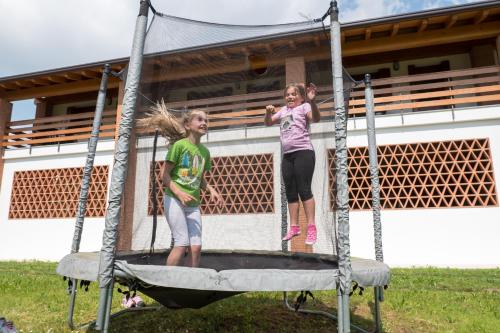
x: 170, y: 127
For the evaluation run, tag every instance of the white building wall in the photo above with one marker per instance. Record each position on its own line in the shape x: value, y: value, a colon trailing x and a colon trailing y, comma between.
x: 46, y: 239
x: 448, y: 237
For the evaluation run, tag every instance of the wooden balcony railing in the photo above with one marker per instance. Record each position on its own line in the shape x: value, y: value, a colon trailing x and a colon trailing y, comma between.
x: 58, y: 129
x: 414, y: 93
x: 449, y: 89
x: 425, y: 92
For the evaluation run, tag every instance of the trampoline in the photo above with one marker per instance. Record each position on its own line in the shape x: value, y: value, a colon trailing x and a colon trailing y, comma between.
x: 223, y: 274
x: 226, y: 273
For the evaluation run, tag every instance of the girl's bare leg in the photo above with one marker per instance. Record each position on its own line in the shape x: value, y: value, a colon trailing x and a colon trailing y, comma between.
x: 176, y: 255
x: 194, y: 256
x: 309, y: 209
x: 293, y: 210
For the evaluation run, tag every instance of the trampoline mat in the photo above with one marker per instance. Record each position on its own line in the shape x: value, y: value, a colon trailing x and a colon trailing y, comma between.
x: 227, y: 260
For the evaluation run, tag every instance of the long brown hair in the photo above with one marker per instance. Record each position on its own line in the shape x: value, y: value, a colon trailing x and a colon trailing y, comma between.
x: 171, y: 127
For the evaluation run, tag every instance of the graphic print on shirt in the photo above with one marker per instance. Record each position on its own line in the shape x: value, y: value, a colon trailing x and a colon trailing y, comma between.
x: 287, y: 122
x: 191, y: 169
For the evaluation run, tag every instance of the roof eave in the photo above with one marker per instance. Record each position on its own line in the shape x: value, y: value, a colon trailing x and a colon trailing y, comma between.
x: 355, y: 24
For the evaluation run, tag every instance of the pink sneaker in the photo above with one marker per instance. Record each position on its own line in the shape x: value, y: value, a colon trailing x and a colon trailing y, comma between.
x: 294, y: 231
x: 311, y: 234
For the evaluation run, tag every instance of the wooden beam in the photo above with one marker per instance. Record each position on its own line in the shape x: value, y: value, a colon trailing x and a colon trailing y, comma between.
x: 227, y: 99
x: 423, y: 25
x: 498, y: 49
x: 451, y: 21
x: 156, y: 62
x: 63, y: 124
x: 59, y: 132
x: 64, y: 118
x: 481, y: 16
x: 180, y: 60
x: 5, y: 114
x: 295, y: 70
x: 72, y: 77
x: 56, y: 79
x: 223, y: 54
x: 119, y: 107
x: 368, y: 33
x: 85, y: 96
x: 59, y: 89
x: 8, y: 85
x: 425, y: 38
x: 317, y: 41
x: 41, y: 107
x: 193, y: 56
x: 228, y: 66
x: 117, y: 68
x: 435, y: 103
x: 292, y: 45
x: 89, y: 74
x: 199, y: 56
x: 57, y: 139
x: 395, y: 29
x: 40, y: 81
x: 342, y: 37
x: 24, y: 84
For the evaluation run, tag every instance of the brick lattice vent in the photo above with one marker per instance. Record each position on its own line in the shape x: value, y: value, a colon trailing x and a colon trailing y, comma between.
x: 422, y: 175
x: 54, y: 193
x: 245, y: 182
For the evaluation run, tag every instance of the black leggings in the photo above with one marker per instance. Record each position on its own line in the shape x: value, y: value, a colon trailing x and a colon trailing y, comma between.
x: 298, y: 169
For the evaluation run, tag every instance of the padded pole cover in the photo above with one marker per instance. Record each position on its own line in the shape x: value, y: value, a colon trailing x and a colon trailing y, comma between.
x: 119, y: 173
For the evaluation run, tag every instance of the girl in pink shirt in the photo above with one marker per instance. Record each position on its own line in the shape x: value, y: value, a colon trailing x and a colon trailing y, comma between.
x: 298, y: 153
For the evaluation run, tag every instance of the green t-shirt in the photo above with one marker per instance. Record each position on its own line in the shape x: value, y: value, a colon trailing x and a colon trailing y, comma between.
x: 190, y: 161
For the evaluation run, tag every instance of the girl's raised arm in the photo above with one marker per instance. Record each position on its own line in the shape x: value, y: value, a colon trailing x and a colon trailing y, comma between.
x: 314, y: 115
x: 269, y: 118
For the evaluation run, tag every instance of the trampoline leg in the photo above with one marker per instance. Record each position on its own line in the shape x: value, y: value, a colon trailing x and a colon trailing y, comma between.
x: 72, y: 297
x: 346, y: 312
x: 108, y: 308
x: 103, y: 306
x: 376, y: 310
x: 340, y: 315
x: 340, y: 310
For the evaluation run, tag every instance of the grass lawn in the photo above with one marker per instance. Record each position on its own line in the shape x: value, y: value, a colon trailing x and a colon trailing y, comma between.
x: 418, y: 300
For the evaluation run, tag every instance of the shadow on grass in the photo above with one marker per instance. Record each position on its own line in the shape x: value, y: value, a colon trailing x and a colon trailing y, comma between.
x: 242, y: 313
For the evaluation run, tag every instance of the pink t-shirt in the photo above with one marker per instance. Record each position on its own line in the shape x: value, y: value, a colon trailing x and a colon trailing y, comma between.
x: 294, y: 127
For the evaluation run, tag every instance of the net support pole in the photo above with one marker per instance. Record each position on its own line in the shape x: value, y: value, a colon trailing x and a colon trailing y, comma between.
x: 341, y: 172
x: 87, y: 173
x: 120, y: 167
x: 377, y: 224
x: 284, y: 207
x: 373, y: 157
x: 89, y: 164
x: 154, y: 194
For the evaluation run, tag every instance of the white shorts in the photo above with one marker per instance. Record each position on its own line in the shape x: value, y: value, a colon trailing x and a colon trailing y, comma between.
x: 184, y: 222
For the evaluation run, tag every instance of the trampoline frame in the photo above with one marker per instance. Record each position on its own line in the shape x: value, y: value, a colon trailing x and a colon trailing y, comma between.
x: 106, y: 274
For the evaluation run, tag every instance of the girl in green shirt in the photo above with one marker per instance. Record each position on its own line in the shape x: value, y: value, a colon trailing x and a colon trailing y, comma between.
x: 183, y: 178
